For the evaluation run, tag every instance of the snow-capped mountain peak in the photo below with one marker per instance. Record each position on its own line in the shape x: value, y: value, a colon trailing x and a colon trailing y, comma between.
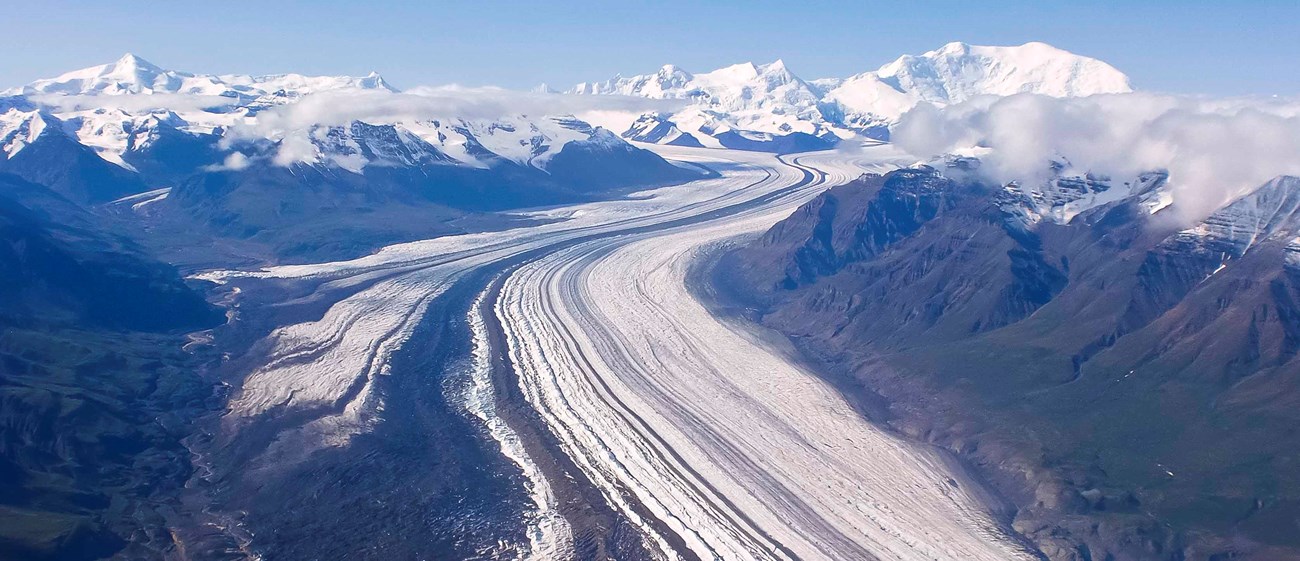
x: 666, y: 83
x: 128, y: 75
x: 753, y: 77
x: 374, y: 81
x: 133, y: 67
x: 958, y: 71
x: 736, y: 74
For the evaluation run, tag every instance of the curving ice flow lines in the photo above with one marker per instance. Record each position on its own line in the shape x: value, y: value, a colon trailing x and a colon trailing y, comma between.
x: 688, y: 426
x: 731, y: 447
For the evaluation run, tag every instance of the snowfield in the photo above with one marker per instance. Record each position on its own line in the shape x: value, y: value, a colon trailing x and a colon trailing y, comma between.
x: 689, y: 425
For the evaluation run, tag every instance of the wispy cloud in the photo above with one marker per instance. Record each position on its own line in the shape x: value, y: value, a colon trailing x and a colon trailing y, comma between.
x: 134, y: 103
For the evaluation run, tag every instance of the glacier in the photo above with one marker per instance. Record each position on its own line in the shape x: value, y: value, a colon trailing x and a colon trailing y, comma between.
x: 687, y: 424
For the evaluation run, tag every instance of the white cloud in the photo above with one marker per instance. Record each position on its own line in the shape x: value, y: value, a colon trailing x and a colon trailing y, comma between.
x: 426, y: 103
x: 1214, y: 150
x: 234, y: 162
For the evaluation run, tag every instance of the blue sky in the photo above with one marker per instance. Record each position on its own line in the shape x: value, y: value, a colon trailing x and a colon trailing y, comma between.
x: 1196, y: 47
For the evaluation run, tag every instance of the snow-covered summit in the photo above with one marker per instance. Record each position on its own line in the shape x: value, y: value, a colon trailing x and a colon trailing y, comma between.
x: 736, y: 87
x: 958, y: 72
x: 128, y: 75
x: 747, y: 99
x: 670, y: 82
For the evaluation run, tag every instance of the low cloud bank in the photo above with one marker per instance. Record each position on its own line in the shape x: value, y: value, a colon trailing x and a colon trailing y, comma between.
x: 445, y: 102
x: 1214, y: 150
x: 134, y: 103
x: 292, y: 124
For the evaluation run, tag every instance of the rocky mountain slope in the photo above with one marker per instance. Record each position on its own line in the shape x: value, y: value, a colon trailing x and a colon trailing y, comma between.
x: 1127, y: 382
x: 96, y: 391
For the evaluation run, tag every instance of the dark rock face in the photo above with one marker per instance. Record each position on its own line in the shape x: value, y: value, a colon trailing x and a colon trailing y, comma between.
x: 604, y: 163
x: 52, y: 274
x: 173, y: 155
x: 779, y: 144
x: 1131, y: 387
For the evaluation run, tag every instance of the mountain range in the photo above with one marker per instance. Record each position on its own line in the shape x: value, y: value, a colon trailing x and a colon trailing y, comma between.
x: 231, y: 158
x: 159, y: 128
x: 767, y: 107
